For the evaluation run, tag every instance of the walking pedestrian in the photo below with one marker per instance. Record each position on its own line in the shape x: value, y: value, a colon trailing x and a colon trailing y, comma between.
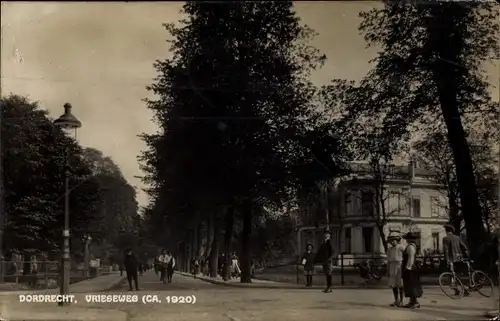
x: 130, y: 264
x: 325, y: 257
x: 163, y: 263
x: 395, y: 263
x: 170, y: 267
x: 411, y: 276
x: 195, y: 264
x: 235, y: 266
x: 308, y: 263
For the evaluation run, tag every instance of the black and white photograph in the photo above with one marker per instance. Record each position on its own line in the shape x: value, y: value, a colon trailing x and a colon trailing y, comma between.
x: 250, y: 160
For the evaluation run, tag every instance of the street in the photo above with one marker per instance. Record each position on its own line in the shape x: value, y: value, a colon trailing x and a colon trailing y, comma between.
x: 218, y: 302
x: 215, y: 302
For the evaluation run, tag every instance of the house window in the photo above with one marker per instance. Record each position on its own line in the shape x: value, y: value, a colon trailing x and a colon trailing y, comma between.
x: 367, y: 203
x: 415, y: 206
x: 435, y: 206
x: 368, y: 239
x: 348, y: 240
x: 435, y: 242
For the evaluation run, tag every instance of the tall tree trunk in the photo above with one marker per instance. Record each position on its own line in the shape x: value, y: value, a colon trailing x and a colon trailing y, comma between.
x: 209, y: 234
x: 383, y: 237
x: 446, y: 75
x: 246, y: 248
x: 214, y: 250
x: 455, y: 217
x: 199, y: 240
x: 228, y: 238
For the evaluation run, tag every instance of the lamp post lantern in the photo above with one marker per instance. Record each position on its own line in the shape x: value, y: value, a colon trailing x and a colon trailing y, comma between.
x: 68, y: 123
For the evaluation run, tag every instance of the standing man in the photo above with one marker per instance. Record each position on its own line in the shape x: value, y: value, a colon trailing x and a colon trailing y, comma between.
x: 455, y: 250
x: 325, y: 257
x: 130, y: 263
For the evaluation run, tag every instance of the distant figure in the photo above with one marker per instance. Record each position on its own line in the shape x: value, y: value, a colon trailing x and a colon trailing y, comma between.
x: 235, y: 266
x: 325, y: 257
x: 170, y: 267
x: 221, y: 262
x: 163, y: 263
x: 395, y: 263
x: 308, y: 263
x: 130, y: 263
x: 195, y: 264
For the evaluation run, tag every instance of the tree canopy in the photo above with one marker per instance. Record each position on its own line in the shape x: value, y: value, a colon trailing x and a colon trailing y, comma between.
x: 237, y: 121
x: 33, y: 155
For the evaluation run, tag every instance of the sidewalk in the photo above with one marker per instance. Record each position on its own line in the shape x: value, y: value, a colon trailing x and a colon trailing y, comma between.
x: 12, y: 309
x: 98, y: 284
x: 259, y: 283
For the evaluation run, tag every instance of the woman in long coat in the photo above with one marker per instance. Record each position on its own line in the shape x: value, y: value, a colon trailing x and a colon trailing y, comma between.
x: 308, y: 263
x: 411, y: 276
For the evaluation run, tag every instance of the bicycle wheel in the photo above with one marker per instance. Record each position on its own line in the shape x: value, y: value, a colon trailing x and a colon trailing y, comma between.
x: 451, y: 285
x: 482, y: 283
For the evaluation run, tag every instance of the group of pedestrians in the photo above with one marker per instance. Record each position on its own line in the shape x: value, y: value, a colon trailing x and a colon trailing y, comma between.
x: 164, y: 265
x: 324, y: 256
x: 403, y: 273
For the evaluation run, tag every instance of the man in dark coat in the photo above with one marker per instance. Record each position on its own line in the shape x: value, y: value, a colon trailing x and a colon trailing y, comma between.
x: 325, y: 258
x: 130, y: 263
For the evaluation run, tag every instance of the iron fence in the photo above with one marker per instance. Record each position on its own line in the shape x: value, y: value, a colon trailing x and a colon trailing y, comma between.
x: 43, y: 274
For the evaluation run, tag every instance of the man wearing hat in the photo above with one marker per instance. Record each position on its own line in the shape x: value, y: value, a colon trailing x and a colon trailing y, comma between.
x: 395, y: 262
x: 411, y: 277
x: 454, y: 248
x: 325, y: 257
x: 130, y: 262
x: 308, y: 263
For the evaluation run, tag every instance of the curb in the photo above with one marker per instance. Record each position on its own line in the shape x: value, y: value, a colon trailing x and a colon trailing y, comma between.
x: 282, y: 285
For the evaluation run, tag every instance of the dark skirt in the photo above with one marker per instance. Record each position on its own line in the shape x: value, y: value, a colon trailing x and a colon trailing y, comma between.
x: 411, y: 284
x: 170, y: 271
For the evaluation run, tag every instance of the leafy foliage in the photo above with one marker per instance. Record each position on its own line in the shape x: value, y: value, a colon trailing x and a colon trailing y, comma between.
x: 236, y: 114
x: 429, y: 69
x: 33, y: 155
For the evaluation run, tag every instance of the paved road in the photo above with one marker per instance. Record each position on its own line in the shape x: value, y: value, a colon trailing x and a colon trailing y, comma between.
x: 220, y: 303
x: 215, y: 302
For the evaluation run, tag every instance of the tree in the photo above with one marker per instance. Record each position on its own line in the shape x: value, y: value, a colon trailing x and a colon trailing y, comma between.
x: 429, y: 68
x: 33, y: 159
x: 115, y: 226
x: 434, y: 154
x: 234, y: 108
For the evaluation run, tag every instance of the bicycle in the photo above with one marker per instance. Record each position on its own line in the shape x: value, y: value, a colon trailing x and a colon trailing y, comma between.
x: 478, y: 282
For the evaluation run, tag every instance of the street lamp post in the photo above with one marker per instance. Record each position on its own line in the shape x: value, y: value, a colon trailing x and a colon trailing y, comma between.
x: 87, y: 240
x: 68, y: 123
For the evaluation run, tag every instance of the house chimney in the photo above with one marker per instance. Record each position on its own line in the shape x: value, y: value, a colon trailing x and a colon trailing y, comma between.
x: 411, y: 168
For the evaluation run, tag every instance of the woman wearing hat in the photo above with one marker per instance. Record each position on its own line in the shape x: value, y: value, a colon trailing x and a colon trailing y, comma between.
x: 308, y: 263
x: 411, y: 277
x: 395, y: 263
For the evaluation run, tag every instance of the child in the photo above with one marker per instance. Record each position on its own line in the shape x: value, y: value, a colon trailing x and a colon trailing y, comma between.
x: 308, y: 263
x: 394, y: 261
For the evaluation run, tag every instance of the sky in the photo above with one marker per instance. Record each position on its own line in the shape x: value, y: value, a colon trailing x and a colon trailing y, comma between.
x: 99, y: 57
